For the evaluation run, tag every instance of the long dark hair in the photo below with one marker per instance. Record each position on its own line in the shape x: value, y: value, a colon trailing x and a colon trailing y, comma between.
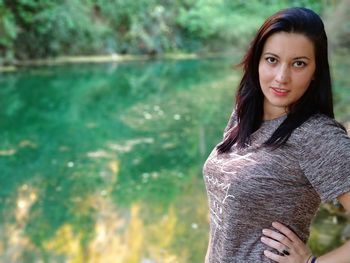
x: 249, y: 97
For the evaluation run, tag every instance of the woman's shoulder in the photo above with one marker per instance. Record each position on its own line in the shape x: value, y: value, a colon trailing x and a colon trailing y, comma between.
x: 320, y: 127
x: 320, y: 123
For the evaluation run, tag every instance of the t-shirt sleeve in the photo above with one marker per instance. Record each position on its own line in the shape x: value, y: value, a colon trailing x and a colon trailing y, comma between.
x: 231, y: 123
x: 325, y: 158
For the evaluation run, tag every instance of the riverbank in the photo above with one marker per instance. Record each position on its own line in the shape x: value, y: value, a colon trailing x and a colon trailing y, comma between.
x: 113, y: 58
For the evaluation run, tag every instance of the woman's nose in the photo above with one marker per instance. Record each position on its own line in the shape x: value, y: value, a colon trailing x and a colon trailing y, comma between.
x: 283, y: 75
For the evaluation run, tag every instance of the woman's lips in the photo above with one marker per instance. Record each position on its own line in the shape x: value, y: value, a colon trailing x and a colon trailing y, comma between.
x: 280, y: 92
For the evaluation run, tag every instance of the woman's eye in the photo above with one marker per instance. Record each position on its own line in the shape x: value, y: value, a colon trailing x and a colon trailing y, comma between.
x: 271, y: 60
x: 299, y: 64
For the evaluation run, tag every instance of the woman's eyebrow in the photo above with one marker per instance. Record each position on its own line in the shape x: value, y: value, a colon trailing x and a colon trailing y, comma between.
x: 272, y: 54
x: 302, y: 58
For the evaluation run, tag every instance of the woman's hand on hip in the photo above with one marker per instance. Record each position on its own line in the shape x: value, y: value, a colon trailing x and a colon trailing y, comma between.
x: 290, y: 246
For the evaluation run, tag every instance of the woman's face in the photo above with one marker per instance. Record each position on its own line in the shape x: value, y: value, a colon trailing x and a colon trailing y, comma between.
x: 286, y: 68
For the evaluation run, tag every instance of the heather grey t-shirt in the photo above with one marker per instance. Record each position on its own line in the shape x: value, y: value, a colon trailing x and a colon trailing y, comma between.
x: 249, y: 189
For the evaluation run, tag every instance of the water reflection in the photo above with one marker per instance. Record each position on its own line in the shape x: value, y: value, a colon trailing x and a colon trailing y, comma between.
x: 103, y: 163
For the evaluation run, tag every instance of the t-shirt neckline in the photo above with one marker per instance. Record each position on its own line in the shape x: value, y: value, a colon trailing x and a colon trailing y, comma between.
x: 275, y: 119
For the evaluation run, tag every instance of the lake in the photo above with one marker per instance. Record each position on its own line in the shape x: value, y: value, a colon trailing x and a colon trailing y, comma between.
x: 103, y: 162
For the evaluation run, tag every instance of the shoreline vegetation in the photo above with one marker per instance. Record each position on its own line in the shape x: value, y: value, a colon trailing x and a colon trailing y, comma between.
x: 49, y: 34
x: 46, y: 32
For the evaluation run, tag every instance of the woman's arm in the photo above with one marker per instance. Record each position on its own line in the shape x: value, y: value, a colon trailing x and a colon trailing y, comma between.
x: 297, y: 250
x: 339, y: 255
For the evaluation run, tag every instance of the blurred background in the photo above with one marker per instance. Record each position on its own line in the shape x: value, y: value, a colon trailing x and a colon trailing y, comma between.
x: 109, y: 109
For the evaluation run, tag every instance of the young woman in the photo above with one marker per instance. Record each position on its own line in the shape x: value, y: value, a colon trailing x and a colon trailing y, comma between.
x: 282, y: 153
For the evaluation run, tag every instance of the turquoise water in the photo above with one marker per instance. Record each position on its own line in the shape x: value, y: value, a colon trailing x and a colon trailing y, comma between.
x: 103, y: 163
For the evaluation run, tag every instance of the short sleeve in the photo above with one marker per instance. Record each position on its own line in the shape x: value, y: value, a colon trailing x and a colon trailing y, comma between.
x: 325, y: 158
x: 231, y: 123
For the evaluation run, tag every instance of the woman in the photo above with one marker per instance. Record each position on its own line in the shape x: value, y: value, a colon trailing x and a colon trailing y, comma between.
x: 282, y: 153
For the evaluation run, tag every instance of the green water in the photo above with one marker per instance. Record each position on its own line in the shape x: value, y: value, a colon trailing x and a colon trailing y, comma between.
x: 103, y: 163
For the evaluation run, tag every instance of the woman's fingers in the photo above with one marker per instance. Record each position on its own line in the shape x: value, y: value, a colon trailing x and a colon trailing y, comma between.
x: 286, y: 231
x: 284, y: 241
x: 278, y: 237
x: 274, y: 257
x: 274, y: 244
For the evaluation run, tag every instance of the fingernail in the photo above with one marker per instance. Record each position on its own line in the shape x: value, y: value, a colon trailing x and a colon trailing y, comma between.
x: 264, y: 231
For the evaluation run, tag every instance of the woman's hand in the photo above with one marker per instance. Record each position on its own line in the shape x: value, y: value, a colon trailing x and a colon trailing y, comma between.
x: 289, y: 244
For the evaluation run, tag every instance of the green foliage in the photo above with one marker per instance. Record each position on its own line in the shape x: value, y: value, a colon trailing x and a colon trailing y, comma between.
x: 8, y: 32
x: 52, y: 29
x: 140, y: 26
x: 338, y: 26
x: 45, y: 28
